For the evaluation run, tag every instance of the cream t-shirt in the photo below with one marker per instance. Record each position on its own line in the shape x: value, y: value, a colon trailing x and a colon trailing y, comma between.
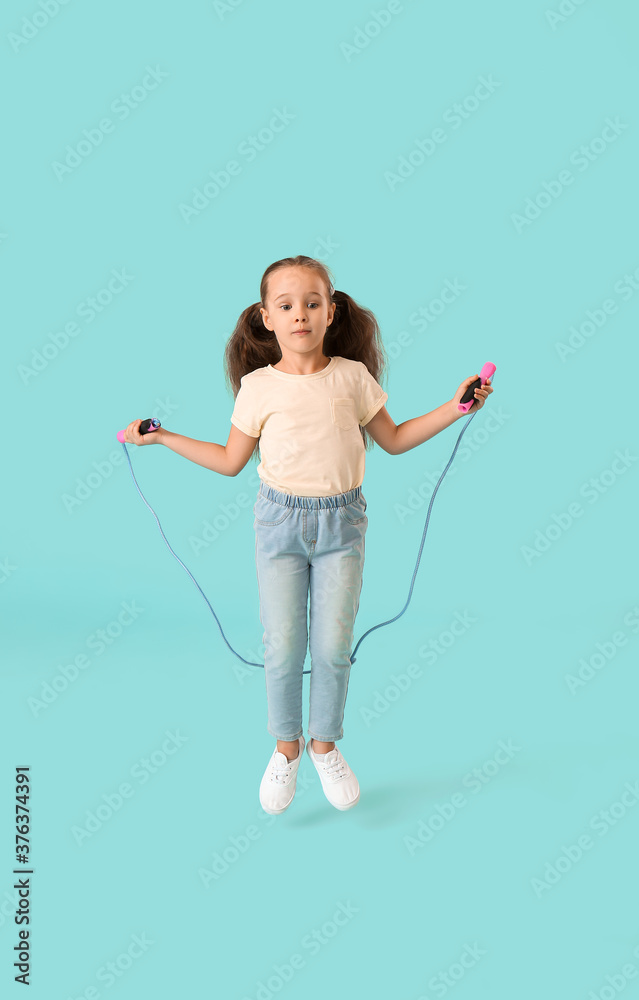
x: 308, y: 425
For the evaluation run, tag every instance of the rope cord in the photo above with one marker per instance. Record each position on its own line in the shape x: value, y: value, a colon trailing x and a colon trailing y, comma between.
x: 374, y: 627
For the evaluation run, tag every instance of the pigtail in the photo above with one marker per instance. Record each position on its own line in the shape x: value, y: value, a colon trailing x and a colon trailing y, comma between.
x: 250, y: 346
x: 355, y: 334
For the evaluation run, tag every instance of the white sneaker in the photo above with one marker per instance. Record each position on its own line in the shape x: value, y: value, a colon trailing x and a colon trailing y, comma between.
x: 340, y: 785
x: 278, y: 783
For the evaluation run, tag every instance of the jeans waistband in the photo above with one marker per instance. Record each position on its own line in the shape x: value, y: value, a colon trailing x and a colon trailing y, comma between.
x: 311, y: 503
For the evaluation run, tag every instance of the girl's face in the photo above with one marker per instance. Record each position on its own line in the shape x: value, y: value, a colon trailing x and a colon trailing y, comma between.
x: 297, y: 301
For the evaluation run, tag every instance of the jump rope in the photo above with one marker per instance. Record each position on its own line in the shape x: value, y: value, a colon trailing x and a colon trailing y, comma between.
x: 466, y: 402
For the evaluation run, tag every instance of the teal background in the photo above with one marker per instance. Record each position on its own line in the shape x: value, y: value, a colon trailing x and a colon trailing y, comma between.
x: 551, y: 426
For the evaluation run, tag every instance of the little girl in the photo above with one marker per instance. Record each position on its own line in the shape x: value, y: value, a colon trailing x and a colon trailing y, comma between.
x: 305, y: 364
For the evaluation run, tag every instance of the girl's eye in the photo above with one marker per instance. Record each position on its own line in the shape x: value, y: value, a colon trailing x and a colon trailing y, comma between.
x: 285, y: 306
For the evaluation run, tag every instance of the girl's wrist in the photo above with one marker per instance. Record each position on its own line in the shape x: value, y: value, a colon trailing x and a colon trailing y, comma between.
x: 455, y: 413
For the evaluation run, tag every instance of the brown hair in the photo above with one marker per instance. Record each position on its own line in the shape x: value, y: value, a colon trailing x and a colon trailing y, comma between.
x: 353, y: 334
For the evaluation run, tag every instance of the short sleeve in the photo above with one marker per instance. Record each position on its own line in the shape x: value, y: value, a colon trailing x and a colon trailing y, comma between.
x: 246, y: 413
x: 372, y: 397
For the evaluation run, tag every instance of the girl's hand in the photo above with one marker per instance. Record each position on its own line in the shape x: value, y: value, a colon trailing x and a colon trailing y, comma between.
x: 133, y: 436
x: 481, y: 394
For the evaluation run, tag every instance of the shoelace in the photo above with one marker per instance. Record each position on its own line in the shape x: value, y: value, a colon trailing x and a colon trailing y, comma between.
x: 280, y: 772
x: 335, y: 768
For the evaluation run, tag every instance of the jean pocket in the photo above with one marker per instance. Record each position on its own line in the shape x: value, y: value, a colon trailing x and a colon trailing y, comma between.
x: 268, y: 512
x: 343, y: 412
x: 355, y: 511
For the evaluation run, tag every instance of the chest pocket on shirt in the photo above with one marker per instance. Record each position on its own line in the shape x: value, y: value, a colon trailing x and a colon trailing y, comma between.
x: 343, y: 412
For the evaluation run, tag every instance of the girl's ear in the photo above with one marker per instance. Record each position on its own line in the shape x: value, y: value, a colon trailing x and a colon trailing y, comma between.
x: 265, y: 319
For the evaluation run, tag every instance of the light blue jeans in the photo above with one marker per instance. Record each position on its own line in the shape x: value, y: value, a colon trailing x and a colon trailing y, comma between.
x: 308, y: 545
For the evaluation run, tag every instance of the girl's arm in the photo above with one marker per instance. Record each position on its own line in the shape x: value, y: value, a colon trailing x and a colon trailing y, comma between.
x: 228, y: 459
x: 396, y: 439
x: 207, y: 453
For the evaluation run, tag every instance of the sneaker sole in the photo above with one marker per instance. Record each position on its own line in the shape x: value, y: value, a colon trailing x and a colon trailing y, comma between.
x: 276, y: 812
x: 344, y: 808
